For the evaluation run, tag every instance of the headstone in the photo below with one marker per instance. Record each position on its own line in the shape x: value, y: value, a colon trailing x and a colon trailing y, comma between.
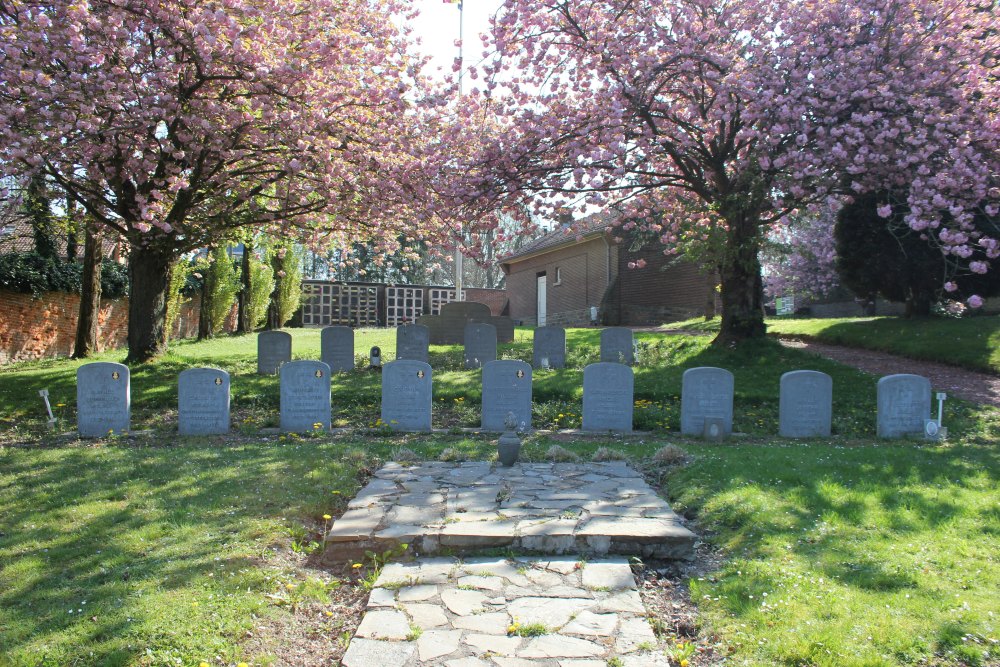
x: 273, y: 349
x: 412, y: 341
x: 305, y: 396
x: 406, y: 395
x: 617, y: 345
x: 467, y: 310
x: 480, y: 344
x: 203, y: 401
x: 506, y: 389
x: 549, y: 350
x: 806, y: 404
x: 706, y: 393
x: 337, y: 348
x: 904, y: 404
x: 607, y: 397
x: 505, y: 328
x: 103, y: 400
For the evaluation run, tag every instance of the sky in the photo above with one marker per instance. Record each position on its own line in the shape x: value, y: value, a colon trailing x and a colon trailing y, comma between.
x: 438, y: 28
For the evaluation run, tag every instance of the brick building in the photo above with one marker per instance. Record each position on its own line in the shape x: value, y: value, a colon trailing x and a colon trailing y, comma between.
x: 572, y: 277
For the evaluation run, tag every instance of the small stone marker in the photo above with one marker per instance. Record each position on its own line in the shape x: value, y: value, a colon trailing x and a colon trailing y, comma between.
x: 203, y: 401
x: 904, y: 404
x: 506, y: 389
x: 103, y: 400
x: 617, y: 345
x: 305, y: 396
x: 337, y: 348
x: 273, y: 349
x: 549, y: 349
x: 480, y: 344
x: 412, y: 341
x: 607, y: 397
x: 706, y: 392
x: 406, y: 395
x: 806, y: 405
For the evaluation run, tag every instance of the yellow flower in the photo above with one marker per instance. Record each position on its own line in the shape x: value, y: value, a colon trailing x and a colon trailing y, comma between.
x: 684, y: 662
x: 328, y: 612
x: 60, y: 405
x: 327, y: 517
x: 356, y: 565
x: 242, y: 664
x: 336, y: 493
x: 203, y: 664
x: 290, y: 586
x: 194, y: 604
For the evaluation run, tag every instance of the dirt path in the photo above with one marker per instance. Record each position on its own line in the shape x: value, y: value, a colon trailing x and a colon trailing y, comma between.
x: 969, y: 385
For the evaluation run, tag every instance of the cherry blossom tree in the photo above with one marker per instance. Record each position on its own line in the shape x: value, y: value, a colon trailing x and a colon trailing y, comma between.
x: 800, y: 256
x: 176, y: 122
x: 710, y: 121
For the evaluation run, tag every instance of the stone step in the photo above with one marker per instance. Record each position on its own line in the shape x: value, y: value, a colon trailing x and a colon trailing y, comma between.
x: 495, y: 612
x: 593, y: 509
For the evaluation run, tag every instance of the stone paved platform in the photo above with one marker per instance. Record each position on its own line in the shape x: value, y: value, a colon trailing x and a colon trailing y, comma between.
x: 593, y: 509
x: 474, y: 613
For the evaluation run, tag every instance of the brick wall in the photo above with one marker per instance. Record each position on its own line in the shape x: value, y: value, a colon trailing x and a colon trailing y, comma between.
x: 496, y: 299
x: 665, y: 290
x: 46, y: 327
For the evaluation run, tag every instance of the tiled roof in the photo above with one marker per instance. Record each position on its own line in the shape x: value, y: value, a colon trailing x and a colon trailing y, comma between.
x: 586, y: 228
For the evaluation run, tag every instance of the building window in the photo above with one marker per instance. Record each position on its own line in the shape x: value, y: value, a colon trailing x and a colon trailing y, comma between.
x: 558, y: 276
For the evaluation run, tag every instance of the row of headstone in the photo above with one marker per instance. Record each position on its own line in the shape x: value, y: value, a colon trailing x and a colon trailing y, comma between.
x: 104, y: 400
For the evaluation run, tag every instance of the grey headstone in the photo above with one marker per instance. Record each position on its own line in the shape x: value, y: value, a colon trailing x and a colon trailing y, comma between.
x: 103, y: 399
x: 467, y: 310
x: 706, y: 392
x: 904, y: 403
x: 806, y: 405
x: 617, y: 345
x: 203, y: 401
x: 412, y: 341
x: 305, y: 396
x: 505, y: 328
x: 407, y: 395
x: 549, y: 350
x: 607, y: 397
x: 336, y: 346
x: 506, y: 388
x: 480, y: 344
x: 273, y: 349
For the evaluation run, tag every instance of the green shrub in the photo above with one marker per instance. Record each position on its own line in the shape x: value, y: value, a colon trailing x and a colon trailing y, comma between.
x: 31, y: 273
x: 261, y: 286
x: 223, y: 282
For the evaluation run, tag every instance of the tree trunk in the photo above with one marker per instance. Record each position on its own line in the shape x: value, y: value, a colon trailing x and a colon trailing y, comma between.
x: 149, y: 278
x: 205, y: 312
x: 918, y: 304
x: 90, y: 294
x: 742, y: 285
x: 243, y: 323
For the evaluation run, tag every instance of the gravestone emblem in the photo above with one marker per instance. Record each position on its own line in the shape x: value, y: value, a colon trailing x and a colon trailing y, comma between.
x: 806, y: 404
x: 549, y: 348
x: 274, y: 348
x: 506, y: 390
x: 607, y: 397
x: 412, y: 341
x: 337, y: 348
x: 407, y: 395
x: 904, y: 405
x: 203, y: 401
x: 103, y: 400
x: 480, y: 344
x: 305, y: 396
x: 706, y: 392
x: 617, y: 345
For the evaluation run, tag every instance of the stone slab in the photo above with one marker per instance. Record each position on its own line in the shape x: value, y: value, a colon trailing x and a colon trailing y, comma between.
x: 506, y: 389
x: 203, y: 401
x: 337, y: 348
x: 549, y: 347
x: 608, y: 397
x: 103, y: 399
x: 407, y: 395
x: 805, y: 405
x: 904, y: 403
x: 706, y: 392
x: 305, y: 396
x: 274, y: 348
x: 618, y: 345
x: 412, y: 342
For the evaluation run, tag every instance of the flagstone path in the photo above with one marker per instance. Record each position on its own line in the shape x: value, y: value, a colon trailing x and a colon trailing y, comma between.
x: 569, y: 604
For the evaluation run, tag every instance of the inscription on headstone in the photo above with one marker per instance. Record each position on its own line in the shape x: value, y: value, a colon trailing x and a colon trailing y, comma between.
x: 480, y: 344
x: 406, y: 395
x: 617, y: 345
x: 412, y: 341
x: 305, y: 396
x: 904, y: 404
x: 506, y: 388
x: 273, y: 349
x: 203, y: 401
x: 337, y: 348
x: 806, y: 404
x: 607, y: 397
x: 549, y: 350
x: 103, y: 400
x: 706, y: 392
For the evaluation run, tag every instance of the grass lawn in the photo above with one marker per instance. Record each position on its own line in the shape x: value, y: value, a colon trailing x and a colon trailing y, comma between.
x: 159, y: 550
x: 971, y: 342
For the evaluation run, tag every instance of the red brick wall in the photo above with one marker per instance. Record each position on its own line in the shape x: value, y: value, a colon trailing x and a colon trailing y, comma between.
x: 666, y: 289
x: 46, y: 327
x: 496, y: 299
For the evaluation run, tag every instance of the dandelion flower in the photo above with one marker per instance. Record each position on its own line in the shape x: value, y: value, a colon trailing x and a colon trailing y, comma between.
x: 327, y: 517
x: 356, y: 565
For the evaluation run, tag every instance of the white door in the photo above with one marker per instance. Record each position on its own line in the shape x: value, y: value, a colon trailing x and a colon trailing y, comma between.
x: 541, y: 301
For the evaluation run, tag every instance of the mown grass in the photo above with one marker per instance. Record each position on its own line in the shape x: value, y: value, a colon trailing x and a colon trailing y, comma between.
x: 160, y: 550
x: 970, y: 342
